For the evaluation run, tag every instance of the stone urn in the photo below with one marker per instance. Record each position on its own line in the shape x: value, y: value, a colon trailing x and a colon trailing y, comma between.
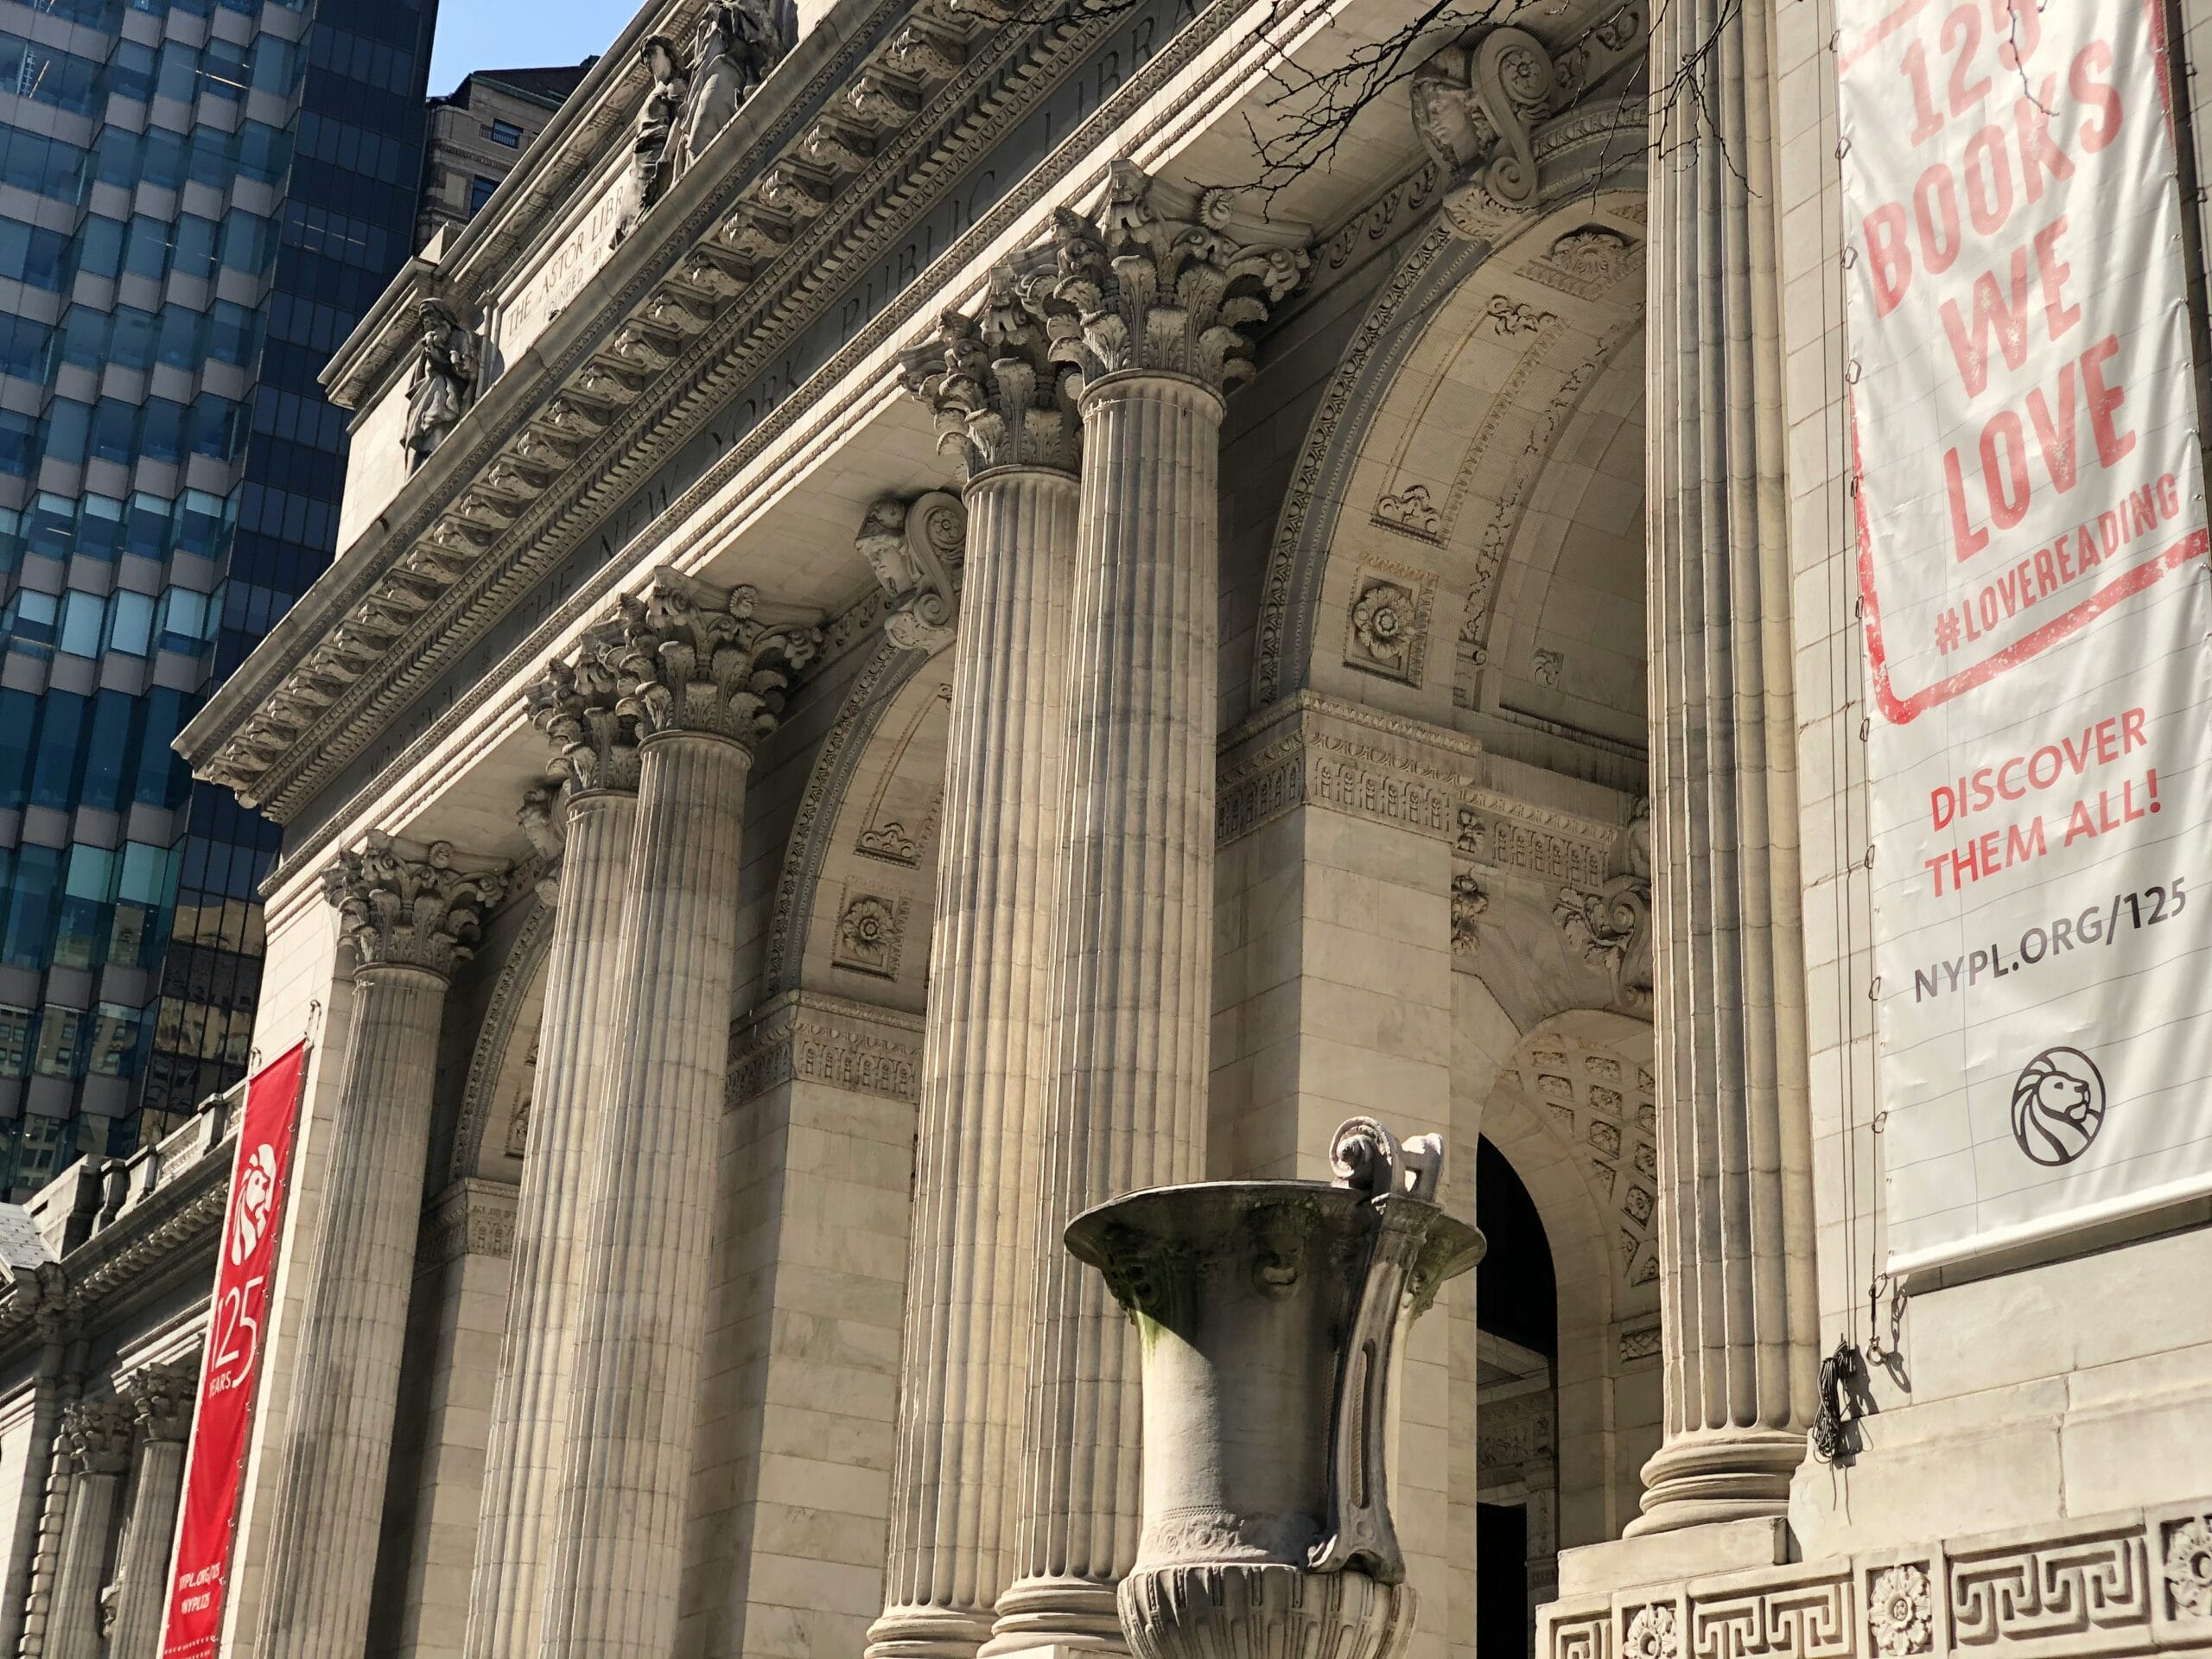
x: 1268, y: 1313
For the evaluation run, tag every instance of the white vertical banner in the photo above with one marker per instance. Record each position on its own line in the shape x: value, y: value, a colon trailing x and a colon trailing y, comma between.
x: 2036, y: 602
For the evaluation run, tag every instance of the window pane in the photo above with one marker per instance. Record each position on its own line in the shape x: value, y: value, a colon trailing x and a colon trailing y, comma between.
x: 38, y: 873
x: 131, y: 623
x: 110, y: 749
x: 60, y: 1030
x: 60, y: 741
x: 114, y: 1045
x: 82, y: 615
x: 15, y: 1025
x: 84, y: 920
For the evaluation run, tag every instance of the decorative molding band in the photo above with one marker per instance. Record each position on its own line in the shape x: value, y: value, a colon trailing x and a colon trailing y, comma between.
x: 1311, y: 750
x: 2138, y: 1582
x: 806, y: 1037
x: 471, y: 1217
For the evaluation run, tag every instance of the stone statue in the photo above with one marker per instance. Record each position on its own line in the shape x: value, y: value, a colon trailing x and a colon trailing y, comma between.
x: 444, y: 379
x: 658, y: 124
x: 1269, y: 1311
x: 733, y: 49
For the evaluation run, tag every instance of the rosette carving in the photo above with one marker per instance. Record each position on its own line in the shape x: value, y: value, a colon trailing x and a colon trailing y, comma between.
x: 1146, y: 284
x: 695, y: 658
x: 576, y: 705
x: 400, y: 911
x: 999, y: 398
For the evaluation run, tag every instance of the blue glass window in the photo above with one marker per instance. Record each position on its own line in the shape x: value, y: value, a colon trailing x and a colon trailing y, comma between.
x: 130, y: 623
x: 180, y: 341
x: 161, y: 428
x: 131, y: 70
x: 113, y: 424
x: 147, y: 253
x: 112, y: 1050
x: 131, y: 345
x: 148, y: 535
x: 31, y: 910
x: 51, y: 526
x: 61, y: 744
x: 161, y: 779
x: 99, y: 526
x: 223, y: 70
x: 233, y: 335
x: 19, y: 441
x: 480, y: 192
x: 29, y: 618
x: 163, y: 162
x: 82, y: 618
x: 120, y: 158
x: 100, y: 245
x: 144, y: 890
x: 110, y: 749
x: 59, y: 1033
x: 82, y: 926
x: 68, y: 428
x: 194, y: 250
x: 179, y: 75
x: 15, y: 1027
x: 18, y: 720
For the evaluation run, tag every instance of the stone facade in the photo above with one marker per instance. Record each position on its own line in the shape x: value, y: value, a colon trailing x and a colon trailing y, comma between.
x: 944, y: 666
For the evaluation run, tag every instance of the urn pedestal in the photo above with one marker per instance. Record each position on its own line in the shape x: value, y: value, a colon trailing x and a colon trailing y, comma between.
x: 1268, y: 1311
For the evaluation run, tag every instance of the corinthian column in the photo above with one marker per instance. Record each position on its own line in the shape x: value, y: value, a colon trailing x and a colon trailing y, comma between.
x: 1736, y: 1214
x: 411, y: 920
x: 96, y: 1433
x: 161, y: 1397
x: 580, y: 1043
x: 704, y: 678
x: 1148, y: 301
x: 1007, y: 412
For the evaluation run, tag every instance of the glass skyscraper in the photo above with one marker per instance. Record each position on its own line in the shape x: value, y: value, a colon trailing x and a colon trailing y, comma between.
x: 198, y: 200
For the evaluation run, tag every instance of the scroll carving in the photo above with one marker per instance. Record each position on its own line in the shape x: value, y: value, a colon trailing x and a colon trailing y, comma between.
x: 1479, y: 106
x: 914, y: 547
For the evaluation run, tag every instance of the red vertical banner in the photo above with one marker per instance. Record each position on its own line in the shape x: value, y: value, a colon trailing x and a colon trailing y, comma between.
x: 192, y: 1624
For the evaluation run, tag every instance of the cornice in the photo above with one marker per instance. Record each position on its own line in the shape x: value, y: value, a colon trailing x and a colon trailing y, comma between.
x: 1060, y: 172
x: 412, y: 595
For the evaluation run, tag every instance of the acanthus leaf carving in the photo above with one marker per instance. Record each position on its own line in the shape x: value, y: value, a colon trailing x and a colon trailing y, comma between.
x: 1150, y: 282
x: 578, y: 706
x: 693, y: 657
x: 999, y: 398
x: 398, y: 909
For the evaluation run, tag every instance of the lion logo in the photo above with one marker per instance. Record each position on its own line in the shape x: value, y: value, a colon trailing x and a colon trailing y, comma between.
x: 257, y: 1201
x: 2058, y: 1106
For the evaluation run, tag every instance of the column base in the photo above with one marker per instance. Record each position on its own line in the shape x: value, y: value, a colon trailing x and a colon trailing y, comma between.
x: 1714, y: 1476
x: 1048, y: 1619
x: 924, y: 1632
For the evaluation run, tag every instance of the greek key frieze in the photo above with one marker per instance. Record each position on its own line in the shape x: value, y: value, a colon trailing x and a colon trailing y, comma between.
x: 2116, y: 1585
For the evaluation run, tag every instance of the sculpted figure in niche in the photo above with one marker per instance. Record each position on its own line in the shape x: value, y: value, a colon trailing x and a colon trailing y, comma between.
x: 659, y: 124
x: 445, y: 369
x: 735, y: 46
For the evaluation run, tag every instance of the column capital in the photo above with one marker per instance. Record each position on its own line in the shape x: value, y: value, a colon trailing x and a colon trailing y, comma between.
x: 578, y: 705
x: 98, y: 1434
x: 912, y: 547
x: 999, y: 396
x: 1158, y: 281
x: 401, y: 910
x: 161, y: 1397
x: 693, y: 657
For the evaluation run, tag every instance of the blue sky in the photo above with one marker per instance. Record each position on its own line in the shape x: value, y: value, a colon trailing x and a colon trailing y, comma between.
x: 519, y: 35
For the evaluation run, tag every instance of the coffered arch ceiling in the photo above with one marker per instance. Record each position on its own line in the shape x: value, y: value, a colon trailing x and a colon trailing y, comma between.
x: 1475, y: 529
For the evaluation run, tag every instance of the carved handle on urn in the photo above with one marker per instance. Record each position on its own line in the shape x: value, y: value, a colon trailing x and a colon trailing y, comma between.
x: 1401, y: 1183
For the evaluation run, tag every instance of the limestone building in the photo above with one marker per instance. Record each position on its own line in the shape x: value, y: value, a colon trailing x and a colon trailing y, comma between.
x: 907, y: 659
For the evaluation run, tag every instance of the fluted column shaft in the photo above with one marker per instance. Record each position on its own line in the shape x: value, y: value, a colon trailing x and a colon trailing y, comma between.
x: 611, y: 1583
x: 1126, y: 1103
x: 98, y: 1440
x: 968, y: 1289
x: 162, y: 1395
x: 579, y: 1047
x: 1736, y: 1222
x: 337, y: 1436
x: 141, y: 1564
x: 410, y: 920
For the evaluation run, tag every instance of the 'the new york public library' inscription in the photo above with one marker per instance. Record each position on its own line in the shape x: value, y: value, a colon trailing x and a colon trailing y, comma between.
x: 636, y: 524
